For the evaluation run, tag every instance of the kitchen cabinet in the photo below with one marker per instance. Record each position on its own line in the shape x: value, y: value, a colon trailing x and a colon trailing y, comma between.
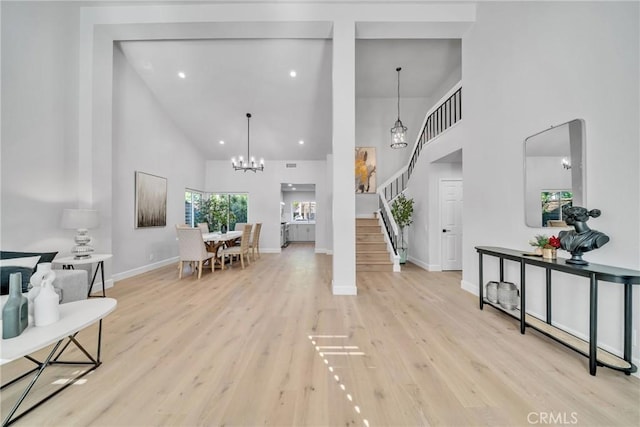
x: 302, y: 232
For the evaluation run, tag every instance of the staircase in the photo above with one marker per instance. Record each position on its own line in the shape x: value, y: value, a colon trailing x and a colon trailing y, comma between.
x: 371, y: 248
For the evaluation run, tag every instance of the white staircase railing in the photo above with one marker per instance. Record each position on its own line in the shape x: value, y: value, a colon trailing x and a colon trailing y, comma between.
x: 444, y: 114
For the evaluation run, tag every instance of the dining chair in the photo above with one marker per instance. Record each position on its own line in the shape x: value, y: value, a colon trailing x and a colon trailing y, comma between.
x: 193, y: 250
x: 238, y: 227
x: 204, y: 227
x: 255, y: 240
x: 242, y: 249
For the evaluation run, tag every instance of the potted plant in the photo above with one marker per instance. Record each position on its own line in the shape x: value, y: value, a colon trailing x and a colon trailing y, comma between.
x: 550, y: 249
x: 402, y: 210
x: 539, y: 241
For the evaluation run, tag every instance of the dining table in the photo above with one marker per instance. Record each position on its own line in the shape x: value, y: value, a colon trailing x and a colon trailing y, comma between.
x: 216, y: 240
x: 217, y: 237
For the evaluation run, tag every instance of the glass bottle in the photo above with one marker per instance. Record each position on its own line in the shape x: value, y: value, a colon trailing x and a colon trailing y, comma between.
x: 15, y: 313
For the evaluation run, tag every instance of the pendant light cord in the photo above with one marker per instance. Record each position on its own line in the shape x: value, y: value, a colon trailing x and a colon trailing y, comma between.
x: 248, y: 118
x: 398, y: 70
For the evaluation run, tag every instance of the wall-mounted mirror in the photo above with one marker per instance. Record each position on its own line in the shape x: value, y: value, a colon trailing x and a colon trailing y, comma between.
x: 554, y: 173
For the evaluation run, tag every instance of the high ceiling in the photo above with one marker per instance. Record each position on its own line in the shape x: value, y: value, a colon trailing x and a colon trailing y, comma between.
x: 226, y: 78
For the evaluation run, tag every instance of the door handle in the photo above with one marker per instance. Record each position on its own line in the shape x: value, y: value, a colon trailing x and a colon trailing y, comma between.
x: 444, y: 230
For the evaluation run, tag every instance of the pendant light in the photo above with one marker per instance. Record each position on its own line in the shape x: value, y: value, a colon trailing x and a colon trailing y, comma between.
x: 250, y: 163
x: 398, y: 131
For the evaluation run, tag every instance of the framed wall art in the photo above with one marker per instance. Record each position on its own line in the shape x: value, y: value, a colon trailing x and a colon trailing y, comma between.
x: 151, y: 200
x: 365, y: 169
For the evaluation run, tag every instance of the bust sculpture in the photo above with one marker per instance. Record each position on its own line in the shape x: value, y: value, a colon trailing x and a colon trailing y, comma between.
x: 582, y: 238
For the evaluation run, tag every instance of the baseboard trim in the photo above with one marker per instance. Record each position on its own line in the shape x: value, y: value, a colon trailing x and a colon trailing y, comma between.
x: 270, y: 250
x: 144, y: 269
x: 343, y: 290
x: 422, y: 265
x: 434, y: 267
x: 472, y: 288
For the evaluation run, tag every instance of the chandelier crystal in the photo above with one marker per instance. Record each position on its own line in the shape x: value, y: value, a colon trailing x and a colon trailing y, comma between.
x: 398, y: 131
x: 250, y: 163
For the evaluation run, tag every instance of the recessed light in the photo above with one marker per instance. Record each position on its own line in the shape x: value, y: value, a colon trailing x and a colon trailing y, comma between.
x: 289, y: 185
x: 221, y: 142
x: 293, y: 73
x: 301, y: 142
x: 293, y: 188
x: 182, y: 75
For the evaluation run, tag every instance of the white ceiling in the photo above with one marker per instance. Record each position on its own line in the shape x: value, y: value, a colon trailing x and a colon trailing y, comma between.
x: 227, y: 78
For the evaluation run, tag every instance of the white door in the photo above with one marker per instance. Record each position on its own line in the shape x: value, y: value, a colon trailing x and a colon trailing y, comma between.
x: 451, y: 223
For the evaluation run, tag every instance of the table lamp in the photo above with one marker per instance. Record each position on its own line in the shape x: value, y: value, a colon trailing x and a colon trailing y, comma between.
x: 81, y: 220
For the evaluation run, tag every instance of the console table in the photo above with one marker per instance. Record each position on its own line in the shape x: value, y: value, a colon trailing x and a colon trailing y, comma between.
x: 74, y: 316
x: 594, y: 272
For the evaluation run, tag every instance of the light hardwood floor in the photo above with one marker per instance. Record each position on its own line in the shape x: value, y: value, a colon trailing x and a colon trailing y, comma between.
x: 411, y: 349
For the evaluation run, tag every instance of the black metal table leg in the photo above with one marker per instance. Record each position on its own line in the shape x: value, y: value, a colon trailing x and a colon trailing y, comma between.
x: 593, y: 324
x: 50, y: 360
x: 104, y: 294
x: 523, y: 305
x: 628, y: 316
x: 9, y: 419
x: 100, y: 267
x: 548, y: 296
x: 481, y: 293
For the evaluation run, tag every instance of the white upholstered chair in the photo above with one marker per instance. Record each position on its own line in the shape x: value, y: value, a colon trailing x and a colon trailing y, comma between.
x: 242, y: 249
x: 255, y: 240
x: 193, y: 249
x: 204, y: 227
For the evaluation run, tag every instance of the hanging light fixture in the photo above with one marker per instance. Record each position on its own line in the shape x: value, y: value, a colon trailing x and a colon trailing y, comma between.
x: 398, y: 131
x: 250, y: 163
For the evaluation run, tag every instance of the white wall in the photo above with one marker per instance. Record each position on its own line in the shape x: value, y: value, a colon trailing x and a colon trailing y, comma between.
x: 527, y: 66
x: 264, y: 193
x: 145, y: 139
x: 39, y: 125
x: 424, y: 235
x: 374, y: 119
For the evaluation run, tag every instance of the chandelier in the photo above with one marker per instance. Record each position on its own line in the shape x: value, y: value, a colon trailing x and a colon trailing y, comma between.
x: 398, y: 131
x: 250, y: 163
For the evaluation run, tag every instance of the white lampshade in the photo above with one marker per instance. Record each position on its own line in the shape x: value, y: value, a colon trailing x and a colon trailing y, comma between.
x: 79, y: 218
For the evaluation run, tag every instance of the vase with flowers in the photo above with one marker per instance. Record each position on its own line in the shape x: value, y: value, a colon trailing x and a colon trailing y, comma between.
x: 550, y: 249
x: 539, y: 241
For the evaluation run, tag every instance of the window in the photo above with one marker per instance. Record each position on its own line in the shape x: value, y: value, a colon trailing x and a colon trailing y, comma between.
x: 192, y: 205
x: 552, y: 204
x: 303, y: 211
x: 217, y: 209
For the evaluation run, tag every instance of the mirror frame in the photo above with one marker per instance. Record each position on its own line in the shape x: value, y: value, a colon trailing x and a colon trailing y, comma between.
x: 577, y: 150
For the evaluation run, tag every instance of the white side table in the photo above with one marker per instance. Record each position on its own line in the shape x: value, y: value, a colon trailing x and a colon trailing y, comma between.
x: 74, y: 316
x: 70, y: 262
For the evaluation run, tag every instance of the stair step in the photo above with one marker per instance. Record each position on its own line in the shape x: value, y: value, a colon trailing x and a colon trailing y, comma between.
x: 371, y: 256
x: 367, y: 221
x: 369, y: 237
x: 371, y: 246
x: 368, y: 229
x: 371, y: 249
